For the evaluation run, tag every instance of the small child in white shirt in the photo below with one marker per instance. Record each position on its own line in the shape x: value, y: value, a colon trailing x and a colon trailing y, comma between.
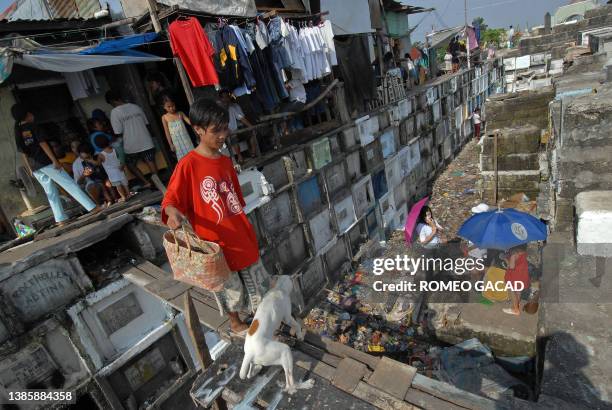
x: 114, y: 168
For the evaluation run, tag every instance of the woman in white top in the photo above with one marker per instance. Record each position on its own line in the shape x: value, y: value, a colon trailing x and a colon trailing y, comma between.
x: 429, y: 230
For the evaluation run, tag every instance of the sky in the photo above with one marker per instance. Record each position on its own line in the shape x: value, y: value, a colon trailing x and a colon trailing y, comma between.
x: 497, y: 13
x: 450, y: 13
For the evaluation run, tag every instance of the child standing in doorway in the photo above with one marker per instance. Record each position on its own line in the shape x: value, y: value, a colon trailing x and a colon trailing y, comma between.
x: 93, y: 173
x: 114, y: 168
x: 175, y: 129
x: 204, y: 190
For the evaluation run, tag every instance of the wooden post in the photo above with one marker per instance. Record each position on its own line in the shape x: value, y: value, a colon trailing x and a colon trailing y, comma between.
x: 184, y: 80
x: 195, y: 332
x: 495, y: 135
x: 152, y: 4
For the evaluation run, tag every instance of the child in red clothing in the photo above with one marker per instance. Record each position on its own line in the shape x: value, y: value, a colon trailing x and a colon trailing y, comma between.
x: 517, y: 274
x: 204, y: 189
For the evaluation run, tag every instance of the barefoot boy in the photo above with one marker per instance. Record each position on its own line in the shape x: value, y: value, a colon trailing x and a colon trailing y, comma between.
x: 204, y: 189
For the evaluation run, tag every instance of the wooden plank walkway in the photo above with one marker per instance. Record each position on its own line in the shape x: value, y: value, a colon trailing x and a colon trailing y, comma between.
x: 344, y: 377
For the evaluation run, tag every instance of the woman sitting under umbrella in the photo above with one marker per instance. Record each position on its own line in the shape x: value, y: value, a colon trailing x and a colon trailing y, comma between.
x: 429, y: 230
x: 517, y: 272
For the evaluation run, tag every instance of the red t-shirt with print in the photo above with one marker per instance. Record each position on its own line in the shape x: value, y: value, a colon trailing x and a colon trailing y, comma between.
x: 208, y: 193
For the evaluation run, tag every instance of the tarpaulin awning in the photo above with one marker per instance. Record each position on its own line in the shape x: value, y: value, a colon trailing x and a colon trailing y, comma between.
x: 121, y: 44
x: 239, y: 8
x: 70, y: 63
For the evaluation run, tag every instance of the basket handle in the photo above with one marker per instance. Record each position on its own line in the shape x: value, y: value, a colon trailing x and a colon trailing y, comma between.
x: 178, y: 246
x: 189, y: 233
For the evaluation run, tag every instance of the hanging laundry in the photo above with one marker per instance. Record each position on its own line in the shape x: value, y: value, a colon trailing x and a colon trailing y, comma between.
x: 356, y: 70
x: 235, y: 68
x: 328, y: 37
x: 261, y: 35
x: 297, y: 54
x: 82, y: 84
x: 191, y: 45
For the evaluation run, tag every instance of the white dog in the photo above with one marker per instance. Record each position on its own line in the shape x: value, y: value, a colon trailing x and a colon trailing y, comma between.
x: 260, y: 348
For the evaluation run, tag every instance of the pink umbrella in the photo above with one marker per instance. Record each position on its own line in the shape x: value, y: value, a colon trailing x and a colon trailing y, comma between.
x: 413, y: 217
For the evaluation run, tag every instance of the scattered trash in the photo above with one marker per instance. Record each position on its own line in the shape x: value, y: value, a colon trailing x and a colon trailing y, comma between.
x: 150, y: 214
x: 23, y: 230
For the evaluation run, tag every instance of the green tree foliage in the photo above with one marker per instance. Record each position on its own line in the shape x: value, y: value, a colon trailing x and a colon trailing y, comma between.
x: 493, y: 36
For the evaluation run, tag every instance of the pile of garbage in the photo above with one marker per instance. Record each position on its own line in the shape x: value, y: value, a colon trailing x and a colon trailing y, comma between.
x: 350, y: 315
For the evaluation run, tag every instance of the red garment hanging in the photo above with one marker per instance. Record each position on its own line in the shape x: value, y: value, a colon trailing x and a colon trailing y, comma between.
x: 191, y: 45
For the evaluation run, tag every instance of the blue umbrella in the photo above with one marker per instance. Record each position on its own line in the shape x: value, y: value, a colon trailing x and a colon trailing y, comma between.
x: 502, y: 229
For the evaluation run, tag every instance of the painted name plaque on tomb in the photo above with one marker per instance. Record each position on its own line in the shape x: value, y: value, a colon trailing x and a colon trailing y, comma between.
x: 145, y: 369
x: 43, y: 288
x: 120, y: 313
x: 32, y: 364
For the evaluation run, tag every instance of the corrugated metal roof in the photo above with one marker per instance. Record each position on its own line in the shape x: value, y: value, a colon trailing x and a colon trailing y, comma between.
x: 37, y: 10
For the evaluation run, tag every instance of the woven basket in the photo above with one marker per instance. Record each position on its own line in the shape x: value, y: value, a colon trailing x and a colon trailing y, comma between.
x: 194, y: 261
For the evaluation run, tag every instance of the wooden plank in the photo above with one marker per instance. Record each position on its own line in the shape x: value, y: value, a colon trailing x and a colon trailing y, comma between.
x: 379, y: 398
x: 138, y: 277
x: 348, y: 374
x: 454, y: 395
x: 167, y: 289
x: 318, y: 354
x: 341, y: 350
x: 204, y: 296
x: 195, y: 332
x: 428, y: 402
x: 153, y: 270
x: 392, y: 377
x: 313, y: 365
x: 210, y: 317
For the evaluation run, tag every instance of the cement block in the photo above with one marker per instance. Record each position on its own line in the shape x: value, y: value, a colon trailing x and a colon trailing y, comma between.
x: 349, y: 138
x: 344, y: 213
x: 46, y: 349
x: 407, y: 130
x: 363, y: 196
x: 393, y: 171
x: 291, y: 249
x: 406, y: 107
x: 353, y: 166
x: 372, y: 156
x: 38, y: 291
x: 594, y: 231
x: 277, y: 214
x: 319, y: 153
x: 511, y: 162
x: 373, y: 222
x: 335, y: 258
x: 312, y: 279
x: 357, y: 235
x: 321, y: 230
x: 255, y: 187
x: 296, y: 165
x: 310, y: 196
x: 384, y: 119
x: 399, y: 219
x: 335, y: 177
x: 387, y: 142
x: 275, y: 173
x: 522, y: 140
x: 400, y: 195
x: 379, y: 183
x: 364, y: 133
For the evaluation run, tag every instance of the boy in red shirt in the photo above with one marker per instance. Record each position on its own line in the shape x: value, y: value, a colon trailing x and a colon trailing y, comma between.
x: 204, y: 189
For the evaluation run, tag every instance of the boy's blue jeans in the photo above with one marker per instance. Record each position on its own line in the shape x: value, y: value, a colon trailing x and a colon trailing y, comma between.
x: 49, y: 176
